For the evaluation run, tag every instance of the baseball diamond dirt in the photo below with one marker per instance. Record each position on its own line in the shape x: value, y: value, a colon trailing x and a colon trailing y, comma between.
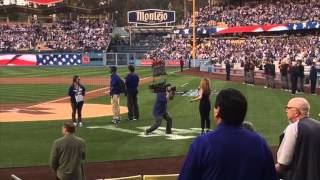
x: 168, y: 165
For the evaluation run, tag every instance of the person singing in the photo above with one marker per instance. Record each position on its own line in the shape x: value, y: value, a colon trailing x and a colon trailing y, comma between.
x: 205, y: 104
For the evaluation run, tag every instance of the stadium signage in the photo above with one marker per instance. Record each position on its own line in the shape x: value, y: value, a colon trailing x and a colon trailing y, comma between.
x: 151, y: 16
x: 149, y: 62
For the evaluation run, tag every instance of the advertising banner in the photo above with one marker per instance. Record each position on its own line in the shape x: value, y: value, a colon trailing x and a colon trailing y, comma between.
x: 151, y: 16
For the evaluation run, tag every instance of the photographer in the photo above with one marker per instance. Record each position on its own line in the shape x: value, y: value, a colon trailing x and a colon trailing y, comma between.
x: 164, y: 93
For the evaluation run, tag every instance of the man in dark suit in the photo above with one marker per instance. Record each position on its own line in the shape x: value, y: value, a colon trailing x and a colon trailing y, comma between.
x: 228, y: 69
x: 313, y: 78
x: 67, y: 154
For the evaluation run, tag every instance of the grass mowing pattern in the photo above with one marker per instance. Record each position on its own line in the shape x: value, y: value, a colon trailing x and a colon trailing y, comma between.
x: 28, y: 93
x: 7, y: 72
x: 266, y: 111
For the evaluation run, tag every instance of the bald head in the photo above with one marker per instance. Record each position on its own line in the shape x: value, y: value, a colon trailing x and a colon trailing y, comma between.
x: 301, y: 104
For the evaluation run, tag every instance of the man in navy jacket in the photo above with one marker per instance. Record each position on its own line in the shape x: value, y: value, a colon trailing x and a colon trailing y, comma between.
x: 115, y: 92
x: 132, y: 83
x: 230, y: 152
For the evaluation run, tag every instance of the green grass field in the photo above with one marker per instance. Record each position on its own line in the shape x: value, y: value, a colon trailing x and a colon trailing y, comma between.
x: 29, y: 143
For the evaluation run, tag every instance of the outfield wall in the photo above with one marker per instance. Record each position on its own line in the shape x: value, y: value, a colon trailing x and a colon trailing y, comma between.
x: 114, y: 59
x: 79, y: 59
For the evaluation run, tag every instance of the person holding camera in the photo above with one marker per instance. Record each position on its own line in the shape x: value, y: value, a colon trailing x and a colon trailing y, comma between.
x: 160, y: 109
x: 76, y: 93
x: 205, y: 104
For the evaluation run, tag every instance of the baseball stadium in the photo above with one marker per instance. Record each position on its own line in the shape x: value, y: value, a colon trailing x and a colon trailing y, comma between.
x: 267, y: 50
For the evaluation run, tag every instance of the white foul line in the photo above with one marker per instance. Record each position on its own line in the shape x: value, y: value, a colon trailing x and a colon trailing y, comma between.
x: 183, y: 85
x: 64, y: 98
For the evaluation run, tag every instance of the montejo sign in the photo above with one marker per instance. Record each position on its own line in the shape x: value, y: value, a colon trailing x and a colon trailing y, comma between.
x: 151, y: 16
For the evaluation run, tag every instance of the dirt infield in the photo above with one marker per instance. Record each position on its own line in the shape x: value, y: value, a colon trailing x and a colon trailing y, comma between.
x: 56, y: 109
x: 170, y: 165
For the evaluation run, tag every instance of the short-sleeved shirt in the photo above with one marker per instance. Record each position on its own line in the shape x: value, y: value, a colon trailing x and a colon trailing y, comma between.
x: 287, y: 146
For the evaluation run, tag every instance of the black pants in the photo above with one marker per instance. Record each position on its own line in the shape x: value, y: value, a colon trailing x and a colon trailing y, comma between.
x: 313, y: 85
x: 205, y: 115
x: 77, y: 108
x: 158, y: 121
x: 228, y: 76
x: 132, y: 103
x: 294, y: 84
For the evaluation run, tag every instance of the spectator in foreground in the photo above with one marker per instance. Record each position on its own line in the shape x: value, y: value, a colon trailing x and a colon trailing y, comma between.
x: 67, y: 154
x: 230, y: 152
x: 298, y: 156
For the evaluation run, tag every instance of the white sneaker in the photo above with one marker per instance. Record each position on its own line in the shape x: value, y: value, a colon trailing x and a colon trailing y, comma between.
x: 80, y: 124
x: 75, y: 124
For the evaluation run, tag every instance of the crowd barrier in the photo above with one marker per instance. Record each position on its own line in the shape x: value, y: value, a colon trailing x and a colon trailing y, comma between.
x: 147, y: 177
x: 80, y: 59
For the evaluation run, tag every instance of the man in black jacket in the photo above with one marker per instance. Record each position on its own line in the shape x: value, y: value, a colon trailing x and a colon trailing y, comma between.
x: 228, y: 69
x: 298, y: 156
x: 294, y: 72
x: 300, y: 76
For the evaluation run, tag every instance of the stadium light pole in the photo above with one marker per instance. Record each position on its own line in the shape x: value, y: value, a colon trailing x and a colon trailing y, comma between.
x: 194, y: 30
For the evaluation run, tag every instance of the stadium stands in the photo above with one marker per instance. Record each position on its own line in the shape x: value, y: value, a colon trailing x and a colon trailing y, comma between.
x: 262, y: 13
x: 82, y: 35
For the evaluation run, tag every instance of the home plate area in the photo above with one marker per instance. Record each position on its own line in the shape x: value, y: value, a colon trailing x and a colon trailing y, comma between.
x: 55, y: 111
x: 177, y: 134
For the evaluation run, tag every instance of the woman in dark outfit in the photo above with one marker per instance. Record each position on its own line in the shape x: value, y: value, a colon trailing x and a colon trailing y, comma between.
x: 205, y: 104
x: 77, y: 93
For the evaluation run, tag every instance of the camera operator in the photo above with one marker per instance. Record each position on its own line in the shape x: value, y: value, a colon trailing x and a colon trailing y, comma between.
x: 160, y: 108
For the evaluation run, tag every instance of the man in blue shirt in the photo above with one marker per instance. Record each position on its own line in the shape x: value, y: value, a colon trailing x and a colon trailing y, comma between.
x: 230, y: 152
x: 160, y: 112
x: 115, y: 92
x: 132, y: 82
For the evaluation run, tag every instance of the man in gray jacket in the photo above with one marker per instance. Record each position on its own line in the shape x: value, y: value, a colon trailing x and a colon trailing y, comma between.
x: 67, y: 154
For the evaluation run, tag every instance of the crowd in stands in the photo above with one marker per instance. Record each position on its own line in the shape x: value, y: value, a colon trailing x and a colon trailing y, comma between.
x: 262, y: 13
x: 237, y: 50
x: 171, y: 49
x: 83, y: 35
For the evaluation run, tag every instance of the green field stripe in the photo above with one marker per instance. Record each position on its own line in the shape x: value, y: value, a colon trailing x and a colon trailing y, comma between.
x: 265, y: 112
x: 70, y: 71
x: 34, y: 93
